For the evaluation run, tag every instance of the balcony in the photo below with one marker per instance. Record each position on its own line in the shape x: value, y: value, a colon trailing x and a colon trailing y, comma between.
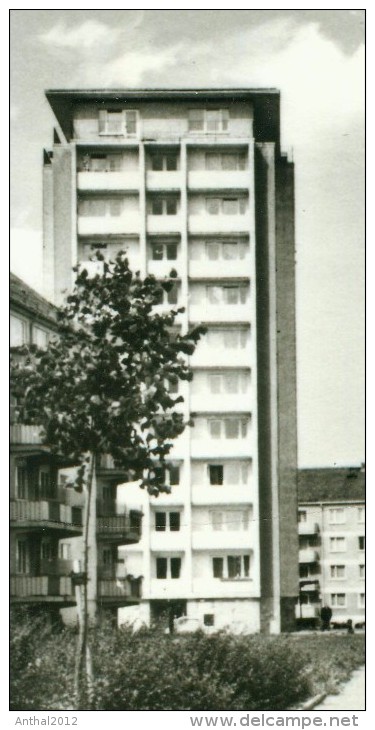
x: 308, y: 555
x: 222, y: 402
x: 206, y: 269
x: 118, y: 592
x: 41, y: 588
x: 164, y: 224
x: 107, y: 225
x: 307, y: 610
x: 206, y: 448
x: 109, y: 181
x: 164, y: 180
x: 41, y: 515
x: 221, y: 313
x: 217, y: 588
x: 216, y: 224
x: 216, y: 357
x: 308, y: 528
x: 219, y: 180
x: 123, y: 529
x: 222, y: 540
x: 25, y: 435
x: 169, y: 541
x: 221, y: 494
x: 160, y: 269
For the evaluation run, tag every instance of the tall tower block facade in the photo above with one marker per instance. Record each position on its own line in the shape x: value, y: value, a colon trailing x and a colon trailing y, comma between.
x: 194, y: 180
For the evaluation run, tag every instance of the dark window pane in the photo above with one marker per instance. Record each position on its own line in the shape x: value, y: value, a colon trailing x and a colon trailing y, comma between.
x: 157, y: 162
x: 172, y: 295
x: 157, y: 251
x: 246, y: 565
x: 174, y: 521
x: 216, y: 473
x: 171, y: 206
x: 160, y: 521
x: 171, y: 251
x: 218, y: 566
x: 174, y: 475
x: 171, y: 162
x: 157, y: 206
x: 234, y: 566
x: 209, y: 619
x: 173, y: 384
x: 175, y: 567
x: 161, y: 567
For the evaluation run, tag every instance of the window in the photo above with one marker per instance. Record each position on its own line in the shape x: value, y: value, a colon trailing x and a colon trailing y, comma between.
x: 229, y: 520
x: 231, y: 382
x: 163, y: 206
x: 361, y: 514
x: 172, y: 384
x: 225, y: 161
x: 231, y: 567
x: 107, y: 557
x: 234, y: 338
x: 100, y: 207
x: 168, y: 297
x: 337, y: 571
x: 164, y: 161
x: 337, y: 544
x: 208, y: 121
x: 227, y: 294
x: 361, y: 543
x: 362, y: 572
x: 216, y: 473
x: 21, y: 482
x: 174, y: 475
x: 209, y: 619
x: 337, y: 516
x: 164, y: 251
x: 18, y: 331
x: 22, y: 557
x: 40, y: 337
x: 167, y: 519
x: 46, y: 485
x: 228, y: 428
x: 226, y: 206
x: 338, y: 600
x: 76, y: 515
x: 225, y: 250
x: 47, y: 550
x: 302, y: 515
x: 65, y: 551
x: 118, y: 122
x: 168, y: 568
x: 361, y: 600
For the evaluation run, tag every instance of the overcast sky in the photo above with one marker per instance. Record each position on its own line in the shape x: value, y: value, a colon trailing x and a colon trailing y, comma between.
x: 316, y: 59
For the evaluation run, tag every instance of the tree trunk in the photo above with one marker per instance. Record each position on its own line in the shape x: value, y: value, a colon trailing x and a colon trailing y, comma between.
x: 83, y: 677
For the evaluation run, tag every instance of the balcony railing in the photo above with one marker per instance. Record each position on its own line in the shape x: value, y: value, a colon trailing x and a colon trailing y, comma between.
x: 124, y: 529
x: 103, y: 181
x: 308, y: 555
x: 119, y: 590
x: 21, y: 434
x: 218, y: 179
x: 41, y: 514
x: 44, y: 586
x: 308, y: 528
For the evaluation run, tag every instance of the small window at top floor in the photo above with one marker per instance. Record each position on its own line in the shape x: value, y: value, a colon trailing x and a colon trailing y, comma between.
x: 118, y: 122
x: 18, y: 331
x: 208, y: 121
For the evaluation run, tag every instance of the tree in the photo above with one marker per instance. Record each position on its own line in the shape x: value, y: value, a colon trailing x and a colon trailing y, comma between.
x: 102, y: 386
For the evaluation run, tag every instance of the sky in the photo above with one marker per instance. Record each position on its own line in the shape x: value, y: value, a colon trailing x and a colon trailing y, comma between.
x: 316, y: 59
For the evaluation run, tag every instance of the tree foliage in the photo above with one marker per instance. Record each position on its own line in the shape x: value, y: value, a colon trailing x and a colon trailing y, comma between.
x: 101, y: 386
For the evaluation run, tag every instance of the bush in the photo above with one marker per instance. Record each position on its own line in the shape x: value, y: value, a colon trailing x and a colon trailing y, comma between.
x: 152, y: 671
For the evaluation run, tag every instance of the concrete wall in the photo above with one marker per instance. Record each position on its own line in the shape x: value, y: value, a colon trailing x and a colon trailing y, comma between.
x: 64, y: 219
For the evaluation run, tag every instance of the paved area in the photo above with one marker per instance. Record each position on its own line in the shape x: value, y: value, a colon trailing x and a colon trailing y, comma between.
x: 352, y: 696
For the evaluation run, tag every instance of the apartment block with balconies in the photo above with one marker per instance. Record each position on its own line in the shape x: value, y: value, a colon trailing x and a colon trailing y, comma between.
x: 195, y: 182
x: 331, y: 532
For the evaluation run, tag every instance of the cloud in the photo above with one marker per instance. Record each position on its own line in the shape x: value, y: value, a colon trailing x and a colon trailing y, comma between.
x: 134, y: 67
x: 85, y: 36
x: 26, y: 258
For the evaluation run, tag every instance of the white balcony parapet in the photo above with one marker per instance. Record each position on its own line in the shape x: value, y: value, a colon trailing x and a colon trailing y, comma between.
x: 222, y: 540
x: 111, y: 181
x: 216, y: 224
x: 308, y: 528
x: 221, y: 402
x: 308, y: 555
x: 164, y: 224
x: 92, y: 225
x: 228, y: 495
x: 206, y: 448
x: 221, y: 313
x: 21, y: 434
x: 218, y: 180
x: 205, y: 269
x: 164, y: 180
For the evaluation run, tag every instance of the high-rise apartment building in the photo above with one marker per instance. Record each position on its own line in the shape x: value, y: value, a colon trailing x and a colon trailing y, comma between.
x: 194, y: 180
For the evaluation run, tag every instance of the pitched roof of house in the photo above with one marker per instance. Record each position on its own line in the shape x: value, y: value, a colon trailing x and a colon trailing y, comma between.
x: 331, y: 485
x: 27, y: 300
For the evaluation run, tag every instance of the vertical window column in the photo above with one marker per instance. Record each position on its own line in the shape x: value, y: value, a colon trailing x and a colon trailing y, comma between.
x: 142, y: 210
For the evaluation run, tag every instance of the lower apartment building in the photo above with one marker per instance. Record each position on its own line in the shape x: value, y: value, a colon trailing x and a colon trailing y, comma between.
x: 331, y: 528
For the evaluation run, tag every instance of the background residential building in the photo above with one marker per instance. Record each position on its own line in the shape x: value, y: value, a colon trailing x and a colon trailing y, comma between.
x: 331, y: 528
x: 194, y: 180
